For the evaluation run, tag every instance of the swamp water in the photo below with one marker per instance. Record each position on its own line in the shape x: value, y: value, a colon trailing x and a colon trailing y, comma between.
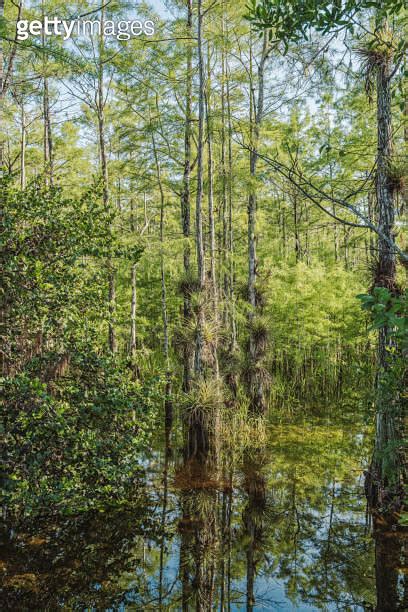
x: 275, y: 519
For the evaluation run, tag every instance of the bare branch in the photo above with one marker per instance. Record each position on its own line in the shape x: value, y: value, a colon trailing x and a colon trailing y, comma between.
x: 303, y: 185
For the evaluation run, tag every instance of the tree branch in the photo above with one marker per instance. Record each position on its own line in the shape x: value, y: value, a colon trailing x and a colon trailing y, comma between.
x: 302, y: 184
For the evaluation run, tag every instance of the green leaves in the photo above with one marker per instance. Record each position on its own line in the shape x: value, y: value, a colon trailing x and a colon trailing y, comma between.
x: 77, y: 445
x: 295, y: 19
x: 387, y: 311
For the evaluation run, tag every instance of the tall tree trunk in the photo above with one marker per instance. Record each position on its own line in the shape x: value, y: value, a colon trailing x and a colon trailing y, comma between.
x: 168, y: 401
x: 230, y: 220
x: 133, y: 307
x: 386, y: 465
x: 199, y: 345
x: 256, y: 385
x: 211, y: 217
x: 185, y: 196
x: 112, y: 343
x: 48, y: 142
x: 224, y: 250
x: 23, y: 147
x: 2, y: 90
x: 47, y: 129
x: 133, y: 301
x: 385, y: 195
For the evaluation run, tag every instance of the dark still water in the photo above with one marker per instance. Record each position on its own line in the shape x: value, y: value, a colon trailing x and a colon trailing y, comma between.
x: 237, y: 517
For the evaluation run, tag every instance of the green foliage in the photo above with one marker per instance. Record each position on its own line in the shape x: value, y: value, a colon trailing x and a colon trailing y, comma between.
x: 388, y: 311
x: 80, y: 262
x: 389, y: 314
x: 294, y: 19
x: 74, y: 445
x: 73, y: 420
x: 317, y: 327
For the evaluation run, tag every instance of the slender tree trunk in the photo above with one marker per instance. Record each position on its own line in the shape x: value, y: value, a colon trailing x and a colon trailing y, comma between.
x: 371, y: 216
x: 211, y: 216
x: 231, y: 222
x: 386, y: 464
x: 211, y: 219
x: 105, y: 196
x: 23, y: 147
x: 133, y: 310
x: 199, y: 345
x: 1, y: 84
x: 345, y: 247
x: 48, y: 142
x: 5, y: 78
x: 185, y: 197
x: 168, y: 400
x: 405, y: 105
x: 385, y: 195
x: 224, y: 279
x: 256, y: 385
x: 47, y: 129
x: 133, y: 303
x: 298, y: 251
x: 105, y: 190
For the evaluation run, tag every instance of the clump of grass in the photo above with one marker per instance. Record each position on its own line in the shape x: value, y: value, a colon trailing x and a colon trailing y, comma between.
x: 241, y: 432
x: 188, y: 284
x: 209, y: 332
x: 374, y: 54
x: 259, y: 332
x: 254, y: 374
x: 260, y: 294
x: 397, y: 175
x: 183, y: 339
x: 203, y: 400
x: 230, y: 361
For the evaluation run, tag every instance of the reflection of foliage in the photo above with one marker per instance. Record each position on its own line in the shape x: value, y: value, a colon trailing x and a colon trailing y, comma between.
x: 79, y: 562
x: 198, y: 524
x: 312, y: 539
x: 295, y: 493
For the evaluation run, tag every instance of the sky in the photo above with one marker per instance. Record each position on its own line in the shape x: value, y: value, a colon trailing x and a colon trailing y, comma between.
x: 159, y: 6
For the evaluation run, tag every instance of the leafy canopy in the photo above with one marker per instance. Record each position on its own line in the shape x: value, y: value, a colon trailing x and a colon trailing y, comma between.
x: 292, y: 20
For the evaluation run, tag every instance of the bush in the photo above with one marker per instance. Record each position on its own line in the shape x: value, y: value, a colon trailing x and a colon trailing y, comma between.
x: 75, y: 444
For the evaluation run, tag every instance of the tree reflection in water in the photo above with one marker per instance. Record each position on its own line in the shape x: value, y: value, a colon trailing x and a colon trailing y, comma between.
x: 271, y: 522
x: 254, y: 517
x: 197, y: 481
x: 391, y: 567
x: 74, y: 562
